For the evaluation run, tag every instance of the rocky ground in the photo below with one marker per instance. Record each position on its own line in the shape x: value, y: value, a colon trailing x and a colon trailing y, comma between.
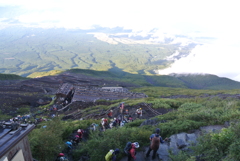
x: 38, y: 91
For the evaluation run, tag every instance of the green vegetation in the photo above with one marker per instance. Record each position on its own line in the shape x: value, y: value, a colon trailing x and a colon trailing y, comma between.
x: 158, y: 92
x: 10, y: 77
x: 42, y: 74
x: 4, y: 116
x: 208, y: 82
x: 47, y: 142
x: 187, y: 114
x: 23, y: 110
x: 25, y: 51
x: 215, y: 146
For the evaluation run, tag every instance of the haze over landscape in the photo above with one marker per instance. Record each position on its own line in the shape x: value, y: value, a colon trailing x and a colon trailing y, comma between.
x: 211, y: 25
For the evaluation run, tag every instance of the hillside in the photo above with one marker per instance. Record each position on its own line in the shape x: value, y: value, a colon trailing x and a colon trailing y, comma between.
x: 11, y: 77
x: 191, y: 81
x: 19, y: 92
x: 175, y: 110
x: 206, y: 81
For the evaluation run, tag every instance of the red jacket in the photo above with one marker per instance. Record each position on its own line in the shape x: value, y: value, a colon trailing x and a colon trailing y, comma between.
x: 133, y: 151
x: 110, y: 114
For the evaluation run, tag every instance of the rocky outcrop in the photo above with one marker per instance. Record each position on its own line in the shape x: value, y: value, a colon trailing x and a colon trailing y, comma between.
x: 183, y: 141
x: 178, y: 142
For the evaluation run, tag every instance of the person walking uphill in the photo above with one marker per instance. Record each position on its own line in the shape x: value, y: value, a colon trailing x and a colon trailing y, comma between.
x: 104, y: 123
x: 155, y: 139
x: 121, y: 107
x: 132, y: 152
x: 111, y: 155
x: 110, y: 114
x: 139, y: 112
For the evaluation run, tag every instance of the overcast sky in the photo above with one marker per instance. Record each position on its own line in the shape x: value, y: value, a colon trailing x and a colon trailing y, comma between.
x: 206, y: 18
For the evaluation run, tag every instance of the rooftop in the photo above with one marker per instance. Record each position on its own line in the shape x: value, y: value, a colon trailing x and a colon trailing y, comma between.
x: 11, y: 133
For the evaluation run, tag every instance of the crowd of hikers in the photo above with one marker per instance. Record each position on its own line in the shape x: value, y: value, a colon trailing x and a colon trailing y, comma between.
x: 111, y: 122
x: 121, y: 119
x: 27, y: 119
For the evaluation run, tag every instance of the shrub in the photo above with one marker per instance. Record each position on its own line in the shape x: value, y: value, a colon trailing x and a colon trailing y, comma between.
x: 216, y: 146
x: 189, y: 107
x: 164, y: 103
x: 176, y: 126
x: 4, y: 116
x: 111, y: 139
x: 46, y: 143
x: 181, y: 156
x: 135, y: 123
x: 233, y: 153
x: 23, y: 110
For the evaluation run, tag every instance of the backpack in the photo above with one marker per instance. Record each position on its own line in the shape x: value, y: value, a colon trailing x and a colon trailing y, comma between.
x: 109, y: 155
x: 127, y: 147
x: 104, y: 123
x: 61, y: 159
x: 155, y: 142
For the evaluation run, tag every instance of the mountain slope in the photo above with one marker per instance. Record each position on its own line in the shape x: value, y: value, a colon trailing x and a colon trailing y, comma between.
x: 207, y: 81
x: 10, y: 77
x: 192, y: 81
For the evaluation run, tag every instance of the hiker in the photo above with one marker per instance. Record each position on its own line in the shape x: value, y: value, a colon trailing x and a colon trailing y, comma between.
x: 110, y: 114
x: 113, y: 123
x: 76, y: 140
x: 104, y: 123
x: 93, y: 127
x: 126, y: 113
x: 130, y: 119
x: 119, y: 120
x: 132, y: 152
x: 121, y: 107
x: 80, y: 134
x: 61, y: 157
x: 111, y: 155
x: 155, y: 140
x: 139, y: 112
x: 69, y: 146
x: 122, y: 123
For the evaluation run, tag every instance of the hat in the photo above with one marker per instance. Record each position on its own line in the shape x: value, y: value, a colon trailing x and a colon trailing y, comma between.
x: 136, y: 144
x: 116, y: 151
x: 60, y: 154
x: 68, y: 143
x: 157, y: 130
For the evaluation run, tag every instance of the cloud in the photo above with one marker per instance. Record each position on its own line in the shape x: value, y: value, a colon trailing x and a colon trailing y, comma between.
x: 185, y: 16
x: 217, y: 58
